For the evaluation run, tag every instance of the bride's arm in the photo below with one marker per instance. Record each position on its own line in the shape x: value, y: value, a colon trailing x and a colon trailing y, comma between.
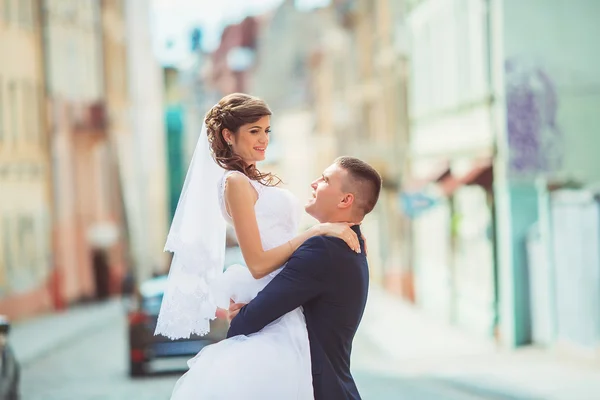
x: 240, y: 198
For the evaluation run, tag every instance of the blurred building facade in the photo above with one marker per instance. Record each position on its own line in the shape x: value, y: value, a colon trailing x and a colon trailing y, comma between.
x: 231, y: 63
x: 82, y: 161
x: 25, y: 168
x: 547, y: 173
x: 359, y: 81
x: 281, y: 77
x: 142, y: 154
x: 197, y: 92
x: 86, y: 232
x: 501, y: 123
x: 114, y: 50
x: 496, y: 126
x: 452, y: 144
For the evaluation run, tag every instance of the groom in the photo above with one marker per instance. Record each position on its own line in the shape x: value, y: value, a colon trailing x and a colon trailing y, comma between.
x: 325, y: 277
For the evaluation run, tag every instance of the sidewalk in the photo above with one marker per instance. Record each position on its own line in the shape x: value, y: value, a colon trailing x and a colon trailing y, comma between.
x: 36, y: 337
x: 420, y: 345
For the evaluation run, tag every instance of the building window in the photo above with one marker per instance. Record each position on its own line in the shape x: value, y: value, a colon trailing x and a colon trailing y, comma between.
x: 487, y: 26
x: 2, y: 137
x: 40, y: 116
x: 7, y: 254
x: 24, y: 12
x: 32, y: 112
x: 13, y: 109
x: 35, y: 18
x: 21, y: 253
x: 7, y: 10
x: 27, y: 244
x: 26, y: 114
x: 464, y: 50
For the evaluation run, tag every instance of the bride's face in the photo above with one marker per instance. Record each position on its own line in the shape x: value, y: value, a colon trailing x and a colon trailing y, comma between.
x: 251, y: 140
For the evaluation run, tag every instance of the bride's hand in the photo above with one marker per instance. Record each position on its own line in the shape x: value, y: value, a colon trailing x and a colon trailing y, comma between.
x: 341, y: 230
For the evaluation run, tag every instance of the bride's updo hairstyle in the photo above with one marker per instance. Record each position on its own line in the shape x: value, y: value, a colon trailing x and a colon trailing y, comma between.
x: 233, y: 111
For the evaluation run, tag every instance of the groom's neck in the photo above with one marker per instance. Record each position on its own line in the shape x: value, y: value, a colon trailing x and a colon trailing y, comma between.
x: 342, y: 217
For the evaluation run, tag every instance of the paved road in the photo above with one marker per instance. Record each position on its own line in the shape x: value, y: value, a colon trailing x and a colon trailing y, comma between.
x: 94, y: 367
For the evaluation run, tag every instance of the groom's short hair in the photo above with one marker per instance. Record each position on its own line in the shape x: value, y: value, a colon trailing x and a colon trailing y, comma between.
x: 364, y: 182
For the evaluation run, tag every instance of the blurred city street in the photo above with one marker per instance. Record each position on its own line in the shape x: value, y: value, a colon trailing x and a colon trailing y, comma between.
x: 92, y: 365
x: 85, y: 356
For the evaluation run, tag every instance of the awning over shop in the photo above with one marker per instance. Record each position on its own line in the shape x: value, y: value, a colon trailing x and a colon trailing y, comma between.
x: 418, y: 184
x: 482, y: 174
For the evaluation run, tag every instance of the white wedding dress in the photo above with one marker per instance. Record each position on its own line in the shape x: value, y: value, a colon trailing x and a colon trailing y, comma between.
x: 273, y: 364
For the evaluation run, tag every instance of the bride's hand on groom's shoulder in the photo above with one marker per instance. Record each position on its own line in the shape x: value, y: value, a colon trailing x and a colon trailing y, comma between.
x: 341, y: 230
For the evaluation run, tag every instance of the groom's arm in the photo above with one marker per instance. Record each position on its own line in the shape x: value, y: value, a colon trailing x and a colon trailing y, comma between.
x: 298, y: 282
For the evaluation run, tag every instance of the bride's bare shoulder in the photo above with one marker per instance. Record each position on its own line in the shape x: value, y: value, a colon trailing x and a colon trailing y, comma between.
x: 237, y: 184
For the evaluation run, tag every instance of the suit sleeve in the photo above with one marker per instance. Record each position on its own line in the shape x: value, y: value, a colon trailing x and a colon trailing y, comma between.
x: 298, y: 282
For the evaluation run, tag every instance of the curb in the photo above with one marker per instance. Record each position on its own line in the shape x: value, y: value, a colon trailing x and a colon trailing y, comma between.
x: 487, y: 392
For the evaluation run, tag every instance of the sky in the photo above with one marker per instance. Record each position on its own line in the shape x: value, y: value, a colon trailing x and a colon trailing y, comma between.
x: 173, y: 20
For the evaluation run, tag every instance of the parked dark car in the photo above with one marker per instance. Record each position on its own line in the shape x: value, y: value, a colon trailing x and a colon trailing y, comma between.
x: 9, y: 367
x: 144, y: 346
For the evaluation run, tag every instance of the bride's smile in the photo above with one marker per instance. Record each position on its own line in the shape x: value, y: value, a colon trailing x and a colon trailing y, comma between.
x: 251, y: 140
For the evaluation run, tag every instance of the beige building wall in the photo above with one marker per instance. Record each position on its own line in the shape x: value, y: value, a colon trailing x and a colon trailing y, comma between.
x: 74, y: 57
x: 114, y: 45
x: 359, y: 85
x: 142, y: 154
x: 25, y: 208
x: 73, y: 71
x: 87, y: 208
x: 453, y: 129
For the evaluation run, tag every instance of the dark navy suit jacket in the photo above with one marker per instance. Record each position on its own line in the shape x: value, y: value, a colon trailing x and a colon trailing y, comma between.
x: 330, y: 282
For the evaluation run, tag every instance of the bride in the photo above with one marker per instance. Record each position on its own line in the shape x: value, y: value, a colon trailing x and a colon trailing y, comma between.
x: 223, y: 185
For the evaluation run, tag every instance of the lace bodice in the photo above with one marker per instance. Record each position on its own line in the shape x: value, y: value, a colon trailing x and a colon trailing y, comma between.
x: 277, y: 212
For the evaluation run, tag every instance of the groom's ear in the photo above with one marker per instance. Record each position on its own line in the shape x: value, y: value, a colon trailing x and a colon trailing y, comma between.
x: 347, y: 200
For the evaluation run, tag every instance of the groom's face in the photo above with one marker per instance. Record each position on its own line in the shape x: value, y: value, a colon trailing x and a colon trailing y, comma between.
x: 327, y: 194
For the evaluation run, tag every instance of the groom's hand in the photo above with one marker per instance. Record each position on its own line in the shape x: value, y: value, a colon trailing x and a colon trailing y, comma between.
x: 234, y: 309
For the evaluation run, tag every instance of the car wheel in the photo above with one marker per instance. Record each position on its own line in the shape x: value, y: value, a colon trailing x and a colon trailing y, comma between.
x: 137, y: 369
